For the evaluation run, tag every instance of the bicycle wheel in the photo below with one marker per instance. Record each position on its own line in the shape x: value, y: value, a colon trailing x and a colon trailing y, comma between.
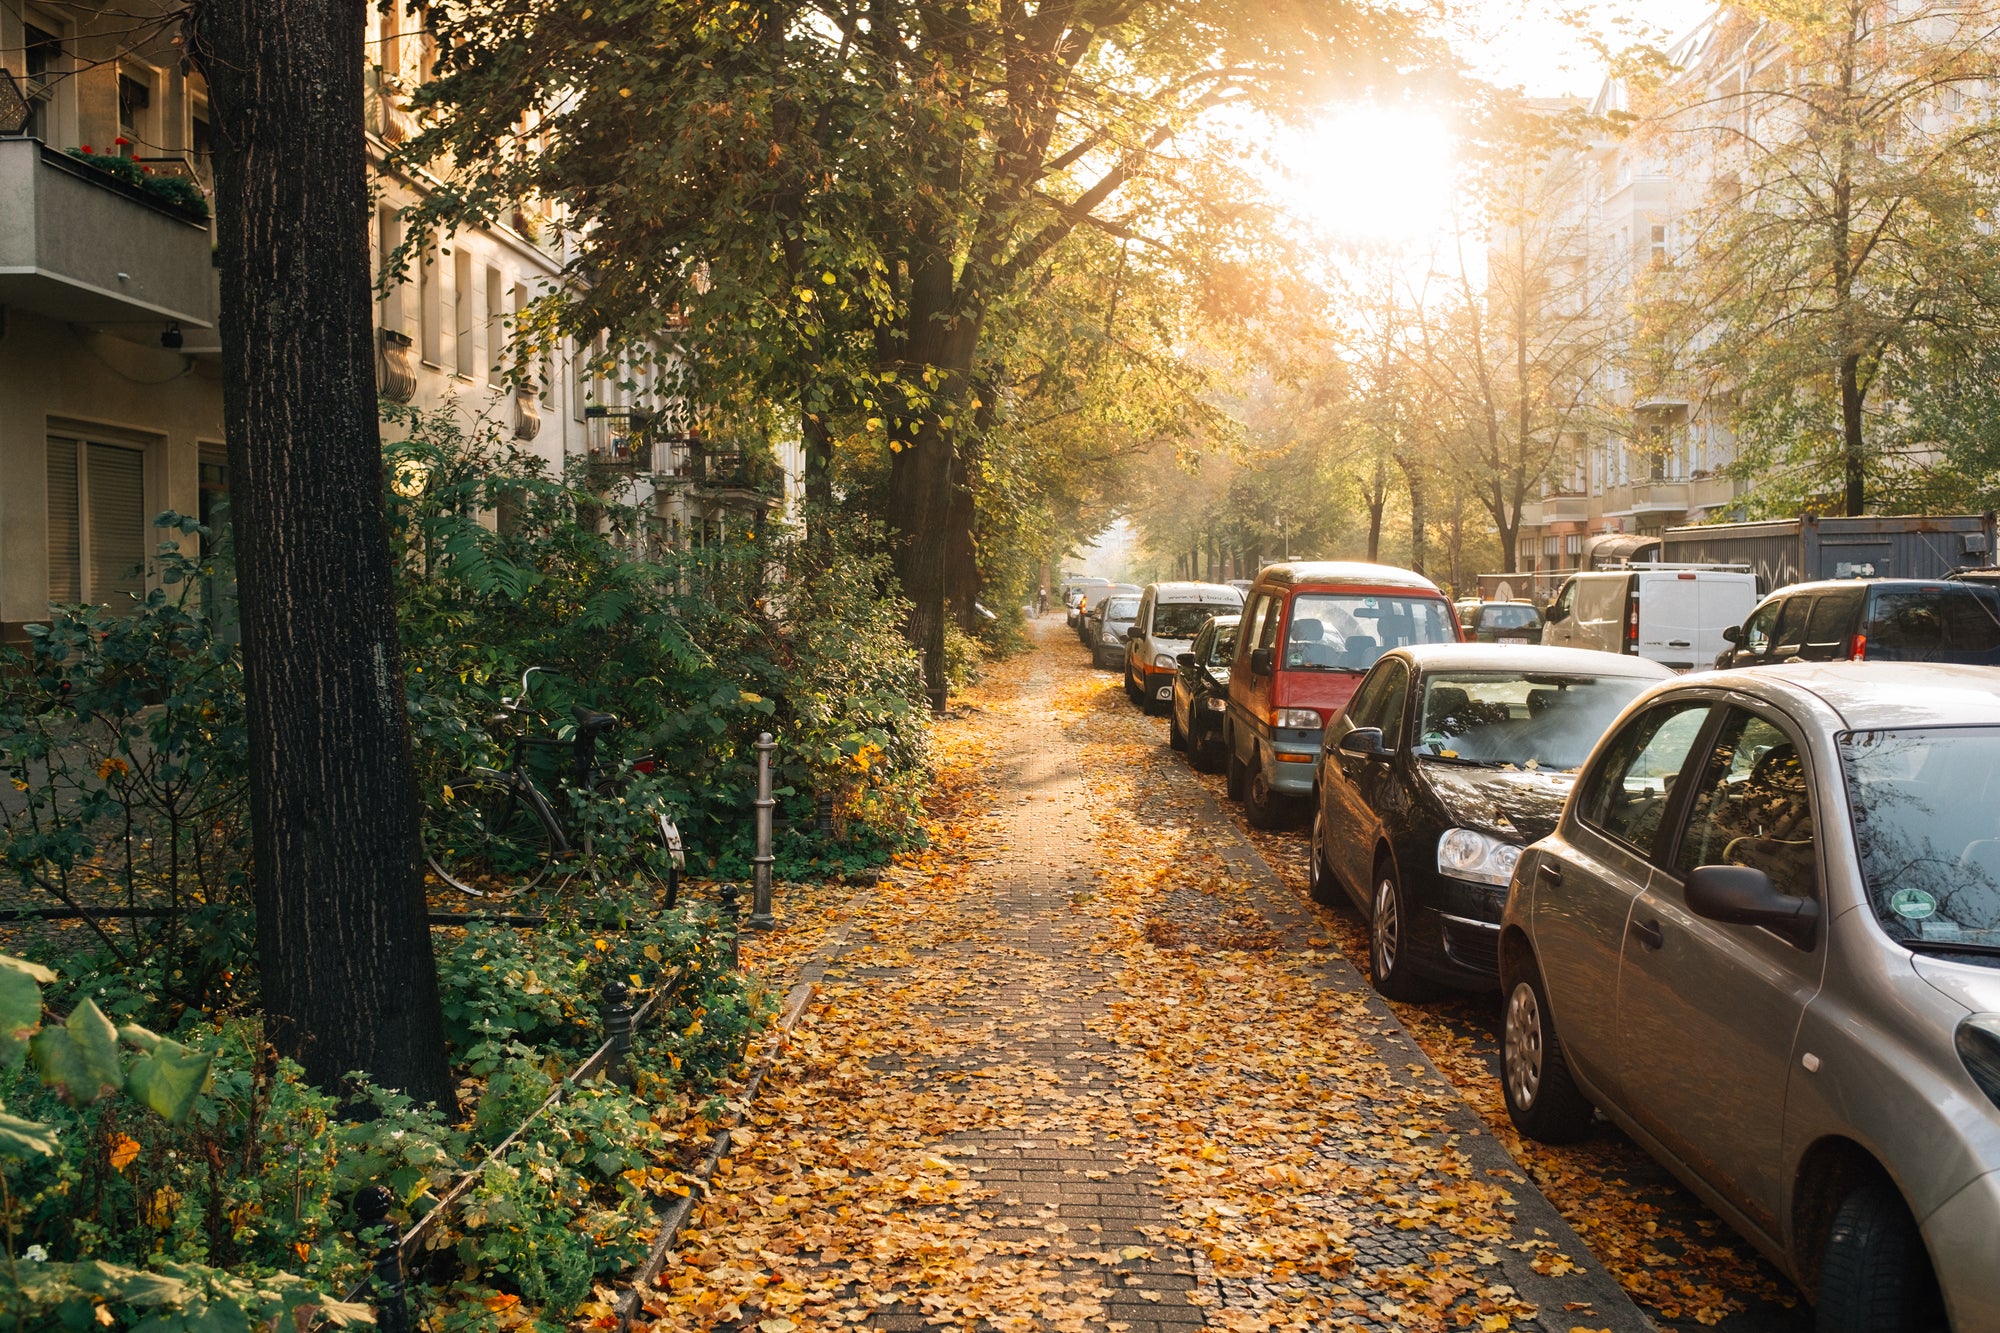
x: 654, y: 856
x: 486, y: 838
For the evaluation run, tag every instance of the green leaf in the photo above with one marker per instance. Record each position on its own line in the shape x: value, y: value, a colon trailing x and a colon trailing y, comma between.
x: 168, y: 1079
x: 80, y: 1058
x: 20, y: 1006
x: 21, y: 1139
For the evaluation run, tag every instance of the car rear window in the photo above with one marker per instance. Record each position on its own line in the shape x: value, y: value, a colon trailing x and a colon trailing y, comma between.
x: 1349, y: 631
x: 1946, y: 622
x: 1182, y: 620
x: 1508, y: 616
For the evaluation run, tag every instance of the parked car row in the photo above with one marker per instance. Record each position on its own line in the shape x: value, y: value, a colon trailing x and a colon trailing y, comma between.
x: 1752, y: 915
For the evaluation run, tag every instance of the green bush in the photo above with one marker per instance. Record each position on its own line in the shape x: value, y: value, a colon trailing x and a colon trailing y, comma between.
x: 177, y: 192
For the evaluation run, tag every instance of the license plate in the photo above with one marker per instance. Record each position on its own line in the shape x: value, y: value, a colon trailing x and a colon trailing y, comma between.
x: 1513, y: 641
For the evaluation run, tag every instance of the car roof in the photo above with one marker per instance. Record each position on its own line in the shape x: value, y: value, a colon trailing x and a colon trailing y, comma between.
x: 1307, y: 572
x: 1528, y: 657
x: 1823, y: 585
x: 1196, y: 592
x: 1872, y: 696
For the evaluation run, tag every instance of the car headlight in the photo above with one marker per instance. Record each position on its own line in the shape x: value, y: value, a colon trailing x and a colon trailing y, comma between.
x: 1978, y: 1042
x: 1163, y: 659
x: 1465, y: 853
x: 1215, y: 703
x: 1109, y: 635
x: 1303, y: 719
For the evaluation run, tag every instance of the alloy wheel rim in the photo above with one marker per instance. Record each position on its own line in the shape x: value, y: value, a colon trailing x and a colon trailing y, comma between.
x: 1524, y: 1045
x: 1384, y: 928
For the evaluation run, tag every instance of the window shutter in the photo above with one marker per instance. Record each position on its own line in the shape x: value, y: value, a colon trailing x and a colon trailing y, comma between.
x: 117, y: 486
x: 65, y: 559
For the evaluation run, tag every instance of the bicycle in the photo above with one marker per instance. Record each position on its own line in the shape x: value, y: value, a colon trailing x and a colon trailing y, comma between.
x: 494, y: 833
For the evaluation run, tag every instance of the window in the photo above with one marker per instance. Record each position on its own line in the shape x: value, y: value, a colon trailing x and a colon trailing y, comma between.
x: 1830, y: 627
x: 465, y: 346
x: 1759, y: 629
x: 1628, y: 789
x: 1573, y: 547
x: 97, y: 529
x: 1791, y: 631
x: 135, y: 100
x: 429, y: 310
x: 496, y: 326
x: 1752, y: 808
x: 201, y: 141
x: 1953, y: 622
x: 44, y: 56
x: 1657, y: 244
x: 388, y: 236
x: 1349, y: 631
x: 1253, y: 623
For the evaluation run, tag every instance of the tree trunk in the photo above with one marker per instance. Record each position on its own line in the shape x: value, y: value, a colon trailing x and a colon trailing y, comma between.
x: 1852, y: 457
x: 344, y: 949
x: 1413, y: 477
x: 963, y: 582
x: 1378, y: 499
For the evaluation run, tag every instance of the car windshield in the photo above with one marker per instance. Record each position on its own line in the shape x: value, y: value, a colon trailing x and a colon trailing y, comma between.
x: 1343, y: 632
x: 1181, y: 620
x: 1926, y: 809
x: 1508, y: 615
x: 1951, y: 622
x: 1513, y: 719
x: 1121, y: 608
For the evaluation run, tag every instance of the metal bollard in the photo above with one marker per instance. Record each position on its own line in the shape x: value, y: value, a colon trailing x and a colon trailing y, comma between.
x: 760, y: 913
x: 392, y: 1311
x: 618, y: 1030
x: 823, y: 808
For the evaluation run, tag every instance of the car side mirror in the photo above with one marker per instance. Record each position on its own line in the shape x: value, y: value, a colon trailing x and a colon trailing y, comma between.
x: 1745, y: 896
x: 1734, y: 634
x: 1131, y: 634
x: 1365, y: 742
x: 1260, y: 661
x: 1185, y: 661
x: 1554, y: 614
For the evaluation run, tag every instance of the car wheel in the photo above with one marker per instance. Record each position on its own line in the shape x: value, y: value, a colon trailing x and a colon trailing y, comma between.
x: 1266, y: 808
x: 1238, y: 776
x: 1542, y: 1098
x: 1175, y: 739
x: 1389, y: 939
x: 1204, y: 745
x: 1875, y: 1276
x: 1319, y: 880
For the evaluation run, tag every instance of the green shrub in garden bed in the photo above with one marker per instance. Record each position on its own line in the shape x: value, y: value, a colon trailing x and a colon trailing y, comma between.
x: 256, y: 1172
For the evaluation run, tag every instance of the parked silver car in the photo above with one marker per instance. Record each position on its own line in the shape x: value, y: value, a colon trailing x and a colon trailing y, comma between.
x: 1765, y: 940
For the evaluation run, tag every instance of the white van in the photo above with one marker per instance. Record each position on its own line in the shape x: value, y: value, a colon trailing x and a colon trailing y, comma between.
x: 1671, y: 614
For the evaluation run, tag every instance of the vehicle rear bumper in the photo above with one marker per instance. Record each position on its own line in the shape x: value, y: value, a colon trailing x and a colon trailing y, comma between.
x: 1291, y: 765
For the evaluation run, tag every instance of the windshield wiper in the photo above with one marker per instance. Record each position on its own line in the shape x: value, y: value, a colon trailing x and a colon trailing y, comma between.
x: 1462, y: 760
x: 1949, y: 946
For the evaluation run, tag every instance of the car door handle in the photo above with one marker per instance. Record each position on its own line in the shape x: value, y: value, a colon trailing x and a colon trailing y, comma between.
x: 1649, y: 934
x: 1551, y: 871
x: 1679, y: 643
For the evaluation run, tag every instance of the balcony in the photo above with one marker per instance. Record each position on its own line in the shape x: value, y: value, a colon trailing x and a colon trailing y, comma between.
x: 1562, y: 508
x: 83, y: 248
x: 1658, y: 497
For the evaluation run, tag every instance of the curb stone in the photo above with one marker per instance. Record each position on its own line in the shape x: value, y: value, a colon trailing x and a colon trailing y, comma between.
x: 677, y: 1214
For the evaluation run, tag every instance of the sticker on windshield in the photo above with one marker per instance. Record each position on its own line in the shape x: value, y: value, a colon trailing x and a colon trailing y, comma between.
x: 1912, y: 904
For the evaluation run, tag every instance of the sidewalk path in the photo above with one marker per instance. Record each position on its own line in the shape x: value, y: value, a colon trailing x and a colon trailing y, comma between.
x: 1084, y: 1065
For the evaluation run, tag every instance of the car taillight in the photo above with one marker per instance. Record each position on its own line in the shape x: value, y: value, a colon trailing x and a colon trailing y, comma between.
x: 1860, y: 647
x: 1632, y: 624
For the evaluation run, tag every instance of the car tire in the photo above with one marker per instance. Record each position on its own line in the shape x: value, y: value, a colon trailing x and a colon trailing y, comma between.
x: 1542, y: 1098
x: 1132, y: 690
x: 1238, y: 776
x: 1204, y: 748
x: 1266, y: 808
x: 1153, y: 706
x: 1176, y: 740
x: 1389, y: 969
x: 1875, y: 1275
x: 1319, y: 879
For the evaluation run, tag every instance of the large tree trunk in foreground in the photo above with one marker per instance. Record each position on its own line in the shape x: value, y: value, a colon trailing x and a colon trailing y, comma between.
x: 349, y: 980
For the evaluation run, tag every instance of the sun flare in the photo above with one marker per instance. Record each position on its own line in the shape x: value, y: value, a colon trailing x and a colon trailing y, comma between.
x: 1369, y: 174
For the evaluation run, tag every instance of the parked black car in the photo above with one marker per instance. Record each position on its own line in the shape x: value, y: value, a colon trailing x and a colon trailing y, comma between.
x: 1449, y: 759
x: 1501, y: 622
x: 1886, y: 620
x: 1201, y: 694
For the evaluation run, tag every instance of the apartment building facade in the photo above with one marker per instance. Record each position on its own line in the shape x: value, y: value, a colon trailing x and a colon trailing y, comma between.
x: 1637, y: 463
x: 110, y: 380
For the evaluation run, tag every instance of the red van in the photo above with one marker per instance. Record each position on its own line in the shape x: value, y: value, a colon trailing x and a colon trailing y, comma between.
x: 1309, y: 633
